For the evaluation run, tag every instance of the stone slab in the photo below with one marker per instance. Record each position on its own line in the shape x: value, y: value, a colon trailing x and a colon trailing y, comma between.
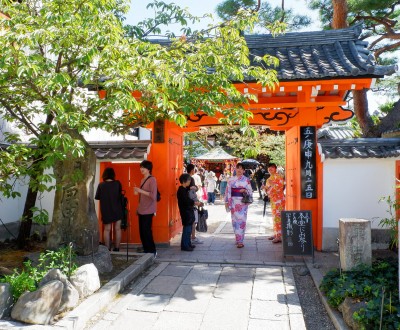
x: 163, y: 285
x: 234, y: 287
x: 226, y: 314
x: 177, y: 321
x: 191, y: 299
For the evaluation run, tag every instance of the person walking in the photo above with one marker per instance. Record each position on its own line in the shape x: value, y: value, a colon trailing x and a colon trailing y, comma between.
x: 186, y: 210
x: 237, y: 186
x: 147, y: 206
x: 274, y: 188
x: 109, y: 194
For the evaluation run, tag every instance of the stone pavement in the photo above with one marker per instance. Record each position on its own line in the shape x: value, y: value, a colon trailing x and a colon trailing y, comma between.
x: 217, y: 286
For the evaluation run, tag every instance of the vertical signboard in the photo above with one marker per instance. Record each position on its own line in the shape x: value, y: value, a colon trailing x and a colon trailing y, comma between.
x: 159, y: 131
x: 297, y: 233
x: 308, y: 162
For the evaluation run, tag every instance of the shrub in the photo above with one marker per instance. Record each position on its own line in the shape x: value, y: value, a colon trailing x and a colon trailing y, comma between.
x: 367, y: 284
x: 28, y: 279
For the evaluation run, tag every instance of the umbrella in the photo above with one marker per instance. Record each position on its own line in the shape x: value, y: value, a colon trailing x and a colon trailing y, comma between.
x: 250, y: 162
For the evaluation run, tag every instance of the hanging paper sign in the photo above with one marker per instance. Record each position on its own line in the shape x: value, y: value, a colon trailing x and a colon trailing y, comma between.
x: 308, y: 162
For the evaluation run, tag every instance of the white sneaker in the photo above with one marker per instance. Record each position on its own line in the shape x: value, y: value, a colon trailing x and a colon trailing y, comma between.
x: 197, y: 241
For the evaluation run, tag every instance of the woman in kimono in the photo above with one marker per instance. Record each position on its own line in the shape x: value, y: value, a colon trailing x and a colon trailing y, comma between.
x: 274, y: 187
x: 237, y: 185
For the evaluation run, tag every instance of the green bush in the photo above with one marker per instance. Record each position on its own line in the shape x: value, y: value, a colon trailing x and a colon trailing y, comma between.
x: 367, y: 284
x: 29, y: 278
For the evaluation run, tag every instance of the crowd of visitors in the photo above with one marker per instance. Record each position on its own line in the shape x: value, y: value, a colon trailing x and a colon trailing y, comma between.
x: 198, y: 187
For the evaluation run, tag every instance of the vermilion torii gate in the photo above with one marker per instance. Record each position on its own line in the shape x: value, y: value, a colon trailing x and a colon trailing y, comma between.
x: 316, y: 72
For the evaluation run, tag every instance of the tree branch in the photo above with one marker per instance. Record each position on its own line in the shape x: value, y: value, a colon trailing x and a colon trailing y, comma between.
x: 386, y: 48
x: 20, y: 118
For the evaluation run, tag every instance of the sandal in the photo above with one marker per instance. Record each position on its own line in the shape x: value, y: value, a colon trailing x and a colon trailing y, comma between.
x: 276, y: 240
x: 239, y: 245
x: 271, y: 238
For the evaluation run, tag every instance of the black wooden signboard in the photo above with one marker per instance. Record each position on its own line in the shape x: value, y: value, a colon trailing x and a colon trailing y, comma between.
x: 308, y: 162
x: 297, y: 233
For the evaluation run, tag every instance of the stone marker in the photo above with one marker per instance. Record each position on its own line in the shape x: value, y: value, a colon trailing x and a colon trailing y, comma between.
x: 355, y: 243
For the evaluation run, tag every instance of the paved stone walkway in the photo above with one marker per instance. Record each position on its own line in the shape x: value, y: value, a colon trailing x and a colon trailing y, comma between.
x: 217, y: 286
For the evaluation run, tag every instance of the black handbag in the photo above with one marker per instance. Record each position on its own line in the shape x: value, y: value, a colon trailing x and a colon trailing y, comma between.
x: 247, y: 198
x: 201, y: 225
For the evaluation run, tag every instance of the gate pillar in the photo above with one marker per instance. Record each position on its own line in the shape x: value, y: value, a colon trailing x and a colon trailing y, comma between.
x: 166, y: 154
x: 295, y: 199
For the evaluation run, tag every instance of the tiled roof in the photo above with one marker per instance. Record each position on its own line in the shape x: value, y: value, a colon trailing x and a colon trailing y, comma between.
x: 316, y: 54
x: 360, y: 148
x: 215, y: 155
x: 335, y: 132
x: 127, y: 150
x: 319, y: 54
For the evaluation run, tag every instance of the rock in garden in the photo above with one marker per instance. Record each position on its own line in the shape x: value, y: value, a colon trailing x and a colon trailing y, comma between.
x: 303, y: 271
x: 101, y: 259
x: 348, y: 307
x: 70, y: 296
x: 86, y: 280
x: 5, y: 271
x: 40, y: 306
x: 6, y: 300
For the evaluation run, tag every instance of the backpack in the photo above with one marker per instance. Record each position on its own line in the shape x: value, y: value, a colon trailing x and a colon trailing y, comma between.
x: 124, y: 205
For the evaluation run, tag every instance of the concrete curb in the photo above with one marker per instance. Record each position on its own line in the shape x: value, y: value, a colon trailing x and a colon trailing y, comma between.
x: 77, y: 318
x: 335, y: 316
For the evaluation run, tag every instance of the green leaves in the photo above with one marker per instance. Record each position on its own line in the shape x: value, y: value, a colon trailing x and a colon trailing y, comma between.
x: 367, y: 284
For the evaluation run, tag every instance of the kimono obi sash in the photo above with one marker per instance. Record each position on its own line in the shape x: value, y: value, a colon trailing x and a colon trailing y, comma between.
x: 236, y: 192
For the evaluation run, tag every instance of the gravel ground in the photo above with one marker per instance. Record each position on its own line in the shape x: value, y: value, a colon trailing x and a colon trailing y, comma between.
x: 315, y: 315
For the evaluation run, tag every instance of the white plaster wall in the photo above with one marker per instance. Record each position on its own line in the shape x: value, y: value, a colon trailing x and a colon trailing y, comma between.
x: 11, y: 209
x: 352, y: 189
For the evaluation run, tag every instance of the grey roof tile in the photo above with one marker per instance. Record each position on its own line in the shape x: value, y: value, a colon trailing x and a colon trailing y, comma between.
x: 319, y: 54
x: 128, y: 150
x: 316, y: 54
x: 360, y: 148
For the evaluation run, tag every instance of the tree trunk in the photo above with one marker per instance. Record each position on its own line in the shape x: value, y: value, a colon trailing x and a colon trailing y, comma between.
x: 391, y: 121
x: 364, y: 119
x: 340, y: 11
x: 74, y: 216
x: 26, y: 224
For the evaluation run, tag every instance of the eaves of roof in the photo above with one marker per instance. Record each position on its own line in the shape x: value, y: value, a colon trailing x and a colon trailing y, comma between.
x: 360, y: 148
x: 121, y: 150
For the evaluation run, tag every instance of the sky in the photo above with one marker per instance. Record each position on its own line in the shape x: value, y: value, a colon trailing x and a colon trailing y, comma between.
x: 138, y: 10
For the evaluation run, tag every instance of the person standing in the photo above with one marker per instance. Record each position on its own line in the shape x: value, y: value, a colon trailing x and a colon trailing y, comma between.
x: 274, y: 187
x: 222, y: 185
x: 260, y: 176
x: 237, y: 186
x: 109, y: 194
x: 211, y: 182
x: 147, y: 206
x: 186, y: 210
x: 195, y: 182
